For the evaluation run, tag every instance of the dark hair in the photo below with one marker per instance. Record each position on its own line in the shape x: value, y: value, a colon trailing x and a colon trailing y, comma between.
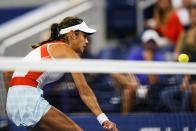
x: 190, y: 7
x: 150, y: 44
x: 55, y: 28
x: 162, y: 15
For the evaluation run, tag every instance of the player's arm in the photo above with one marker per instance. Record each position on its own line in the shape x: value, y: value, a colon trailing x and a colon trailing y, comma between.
x: 86, y: 94
x: 7, y: 75
x: 88, y: 97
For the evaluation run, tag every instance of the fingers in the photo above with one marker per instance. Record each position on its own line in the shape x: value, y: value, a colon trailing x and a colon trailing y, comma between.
x: 132, y: 77
x: 110, y: 126
x: 134, y: 82
x: 107, y: 126
x: 114, y: 127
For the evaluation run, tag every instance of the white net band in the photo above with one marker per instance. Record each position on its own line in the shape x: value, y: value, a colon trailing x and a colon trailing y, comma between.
x: 98, y: 66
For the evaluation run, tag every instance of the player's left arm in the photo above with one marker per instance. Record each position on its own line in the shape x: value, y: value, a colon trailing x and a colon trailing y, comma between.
x: 89, y: 98
x: 86, y: 93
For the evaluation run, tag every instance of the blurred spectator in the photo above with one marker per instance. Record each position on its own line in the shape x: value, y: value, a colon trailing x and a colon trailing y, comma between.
x: 179, y: 98
x: 149, y: 52
x: 186, y: 43
x: 166, y: 22
x: 182, y: 11
x: 128, y: 83
x: 187, y: 3
x: 193, y: 92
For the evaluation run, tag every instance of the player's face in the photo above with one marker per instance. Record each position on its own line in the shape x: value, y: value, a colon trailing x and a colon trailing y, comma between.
x: 82, y: 42
x: 78, y: 41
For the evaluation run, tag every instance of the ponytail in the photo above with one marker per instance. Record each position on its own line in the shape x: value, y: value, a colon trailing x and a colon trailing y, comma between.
x: 54, y: 32
x: 53, y: 36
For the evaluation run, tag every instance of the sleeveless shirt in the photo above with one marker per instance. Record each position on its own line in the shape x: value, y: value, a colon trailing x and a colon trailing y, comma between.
x: 36, y: 79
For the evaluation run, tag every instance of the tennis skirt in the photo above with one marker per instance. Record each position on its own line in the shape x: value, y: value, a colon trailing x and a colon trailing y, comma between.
x: 25, y: 105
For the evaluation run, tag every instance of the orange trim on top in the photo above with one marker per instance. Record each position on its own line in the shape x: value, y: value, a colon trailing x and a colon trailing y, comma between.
x: 44, y: 51
x: 23, y: 81
x: 31, y: 77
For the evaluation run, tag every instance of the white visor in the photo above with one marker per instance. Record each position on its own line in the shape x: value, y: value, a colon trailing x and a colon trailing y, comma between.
x: 82, y: 27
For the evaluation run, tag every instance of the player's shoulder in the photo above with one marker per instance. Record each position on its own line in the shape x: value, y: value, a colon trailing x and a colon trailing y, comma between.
x: 59, y: 46
x: 62, y: 51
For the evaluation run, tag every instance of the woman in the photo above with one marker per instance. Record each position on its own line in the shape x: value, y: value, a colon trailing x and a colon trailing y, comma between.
x: 187, y: 41
x: 187, y: 45
x: 25, y: 104
x: 166, y: 21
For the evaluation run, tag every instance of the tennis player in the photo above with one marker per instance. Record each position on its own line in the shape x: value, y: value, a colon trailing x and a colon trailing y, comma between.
x: 25, y: 105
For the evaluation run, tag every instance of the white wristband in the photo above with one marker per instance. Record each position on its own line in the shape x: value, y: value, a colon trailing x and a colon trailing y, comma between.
x: 101, y: 118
